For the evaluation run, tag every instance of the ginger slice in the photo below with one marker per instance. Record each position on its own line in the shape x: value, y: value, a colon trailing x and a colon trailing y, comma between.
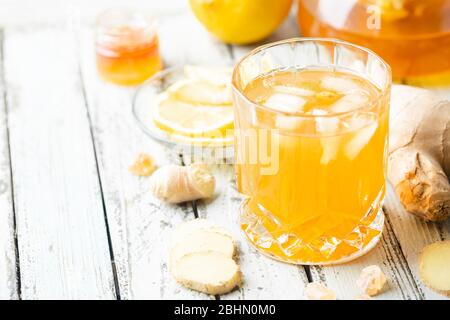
x: 203, y: 241
x: 187, y: 228
x: 435, y: 267
x: 209, y: 272
x: 201, y: 257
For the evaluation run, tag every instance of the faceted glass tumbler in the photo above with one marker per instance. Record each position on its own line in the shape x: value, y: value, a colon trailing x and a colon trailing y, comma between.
x: 311, y: 198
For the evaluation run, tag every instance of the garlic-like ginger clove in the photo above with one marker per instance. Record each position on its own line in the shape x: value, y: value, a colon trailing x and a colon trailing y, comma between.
x: 371, y: 280
x: 176, y: 184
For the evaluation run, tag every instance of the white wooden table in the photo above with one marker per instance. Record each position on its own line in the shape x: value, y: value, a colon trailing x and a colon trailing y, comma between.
x: 74, y: 223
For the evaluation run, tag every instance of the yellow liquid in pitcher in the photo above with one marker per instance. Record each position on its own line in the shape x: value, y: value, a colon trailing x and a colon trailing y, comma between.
x: 413, y: 36
x: 331, y: 169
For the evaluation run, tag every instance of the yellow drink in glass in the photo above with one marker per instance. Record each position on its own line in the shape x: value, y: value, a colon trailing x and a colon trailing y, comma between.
x: 311, y: 120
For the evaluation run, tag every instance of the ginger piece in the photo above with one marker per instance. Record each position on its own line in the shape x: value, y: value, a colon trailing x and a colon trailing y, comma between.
x: 143, y: 166
x: 176, y: 184
x: 207, y: 272
x: 372, y: 280
x: 185, y: 229
x: 204, y: 241
x: 434, y: 267
x: 419, y: 152
x: 202, y: 257
x: 317, y: 291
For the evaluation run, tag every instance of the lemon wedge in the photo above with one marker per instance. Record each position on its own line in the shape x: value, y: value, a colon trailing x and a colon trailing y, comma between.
x: 188, y: 119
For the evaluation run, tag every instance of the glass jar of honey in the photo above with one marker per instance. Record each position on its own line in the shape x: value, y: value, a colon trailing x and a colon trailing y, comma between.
x: 413, y: 36
x: 127, y: 47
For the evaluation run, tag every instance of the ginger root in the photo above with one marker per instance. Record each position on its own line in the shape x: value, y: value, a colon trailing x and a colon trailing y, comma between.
x: 176, y: 184
x: 202, y: 258
x: 434, y: 267
x: 419, y: 152
x: 372, y: 280
x: 317, y: 291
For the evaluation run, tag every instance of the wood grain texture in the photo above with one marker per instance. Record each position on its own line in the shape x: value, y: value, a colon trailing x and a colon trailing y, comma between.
x: 140, y: 225
x: 62, y: 237
x: 8, y: 276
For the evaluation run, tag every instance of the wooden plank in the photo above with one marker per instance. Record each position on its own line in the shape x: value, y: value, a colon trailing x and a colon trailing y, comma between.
x: 62, y: 238
x: 140, y: 229
x: 8, y: 276
x: 140, y: 225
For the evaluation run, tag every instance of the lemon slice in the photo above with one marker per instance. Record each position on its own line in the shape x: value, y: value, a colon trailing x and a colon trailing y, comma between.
x: 219, y: 76
x: 183, y: 118
x: 201, y: 92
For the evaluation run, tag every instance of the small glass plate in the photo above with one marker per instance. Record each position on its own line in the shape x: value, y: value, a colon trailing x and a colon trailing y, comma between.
x: 143, y: 110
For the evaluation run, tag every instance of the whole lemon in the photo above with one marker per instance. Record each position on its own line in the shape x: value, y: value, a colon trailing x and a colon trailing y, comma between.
x: 241, y: 21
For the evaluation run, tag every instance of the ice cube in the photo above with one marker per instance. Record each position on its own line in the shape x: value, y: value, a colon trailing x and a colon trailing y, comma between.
x: 267, y: 64
x: 360, y: 140
x: 285, y: 102
x: 330, y: 148
x: 350, y: 101
x: 288, y: 122
x: 339, y: 84
x: 327, y: 126
x: 360, y: 120
x: 297, y: 91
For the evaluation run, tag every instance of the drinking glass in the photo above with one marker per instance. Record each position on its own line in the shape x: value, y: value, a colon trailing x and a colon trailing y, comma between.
x: 311, y: 197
